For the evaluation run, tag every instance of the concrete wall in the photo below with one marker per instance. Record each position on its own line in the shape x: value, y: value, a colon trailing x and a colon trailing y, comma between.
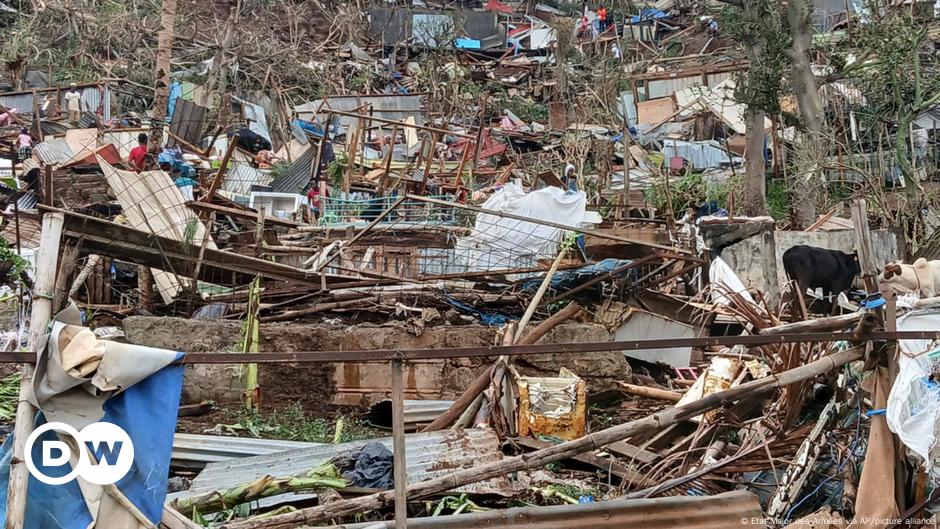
x: 758, y: 260
x: 354, y: 382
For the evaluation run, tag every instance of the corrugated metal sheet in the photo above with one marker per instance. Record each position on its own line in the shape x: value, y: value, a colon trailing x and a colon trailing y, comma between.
x: 296, y: 177
x: 187, y: 122
x: 54, y: 151
x: 196, y: 451
x: 429, y: 455
x: 722, y: 511
x: 241, y: 176
x: 255, y: 117
x: 394, y: 107
x: 93, y: 98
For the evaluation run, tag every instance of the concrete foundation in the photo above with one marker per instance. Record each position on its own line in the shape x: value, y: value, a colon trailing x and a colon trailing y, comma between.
x: 355, y: 383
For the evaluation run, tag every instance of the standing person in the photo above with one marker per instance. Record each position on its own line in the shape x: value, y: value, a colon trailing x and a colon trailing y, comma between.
x: 314, y: 200
x: 138, y: 154
x: 602, y: 18
x: 26, y: 145
x: 73, y: 99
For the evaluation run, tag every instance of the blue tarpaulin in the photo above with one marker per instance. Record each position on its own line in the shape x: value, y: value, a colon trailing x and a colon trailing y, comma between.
x: 147, y: 412
x: 567, y: 279
x: 648, y: 14
x: 176, y: 91
x: 487, y: 318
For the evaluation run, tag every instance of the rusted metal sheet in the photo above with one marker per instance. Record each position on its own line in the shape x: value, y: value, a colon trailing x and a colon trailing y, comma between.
x: 724, y: 511
x: 555, y: 406
x: 187, y: 122
x: 429, y: 455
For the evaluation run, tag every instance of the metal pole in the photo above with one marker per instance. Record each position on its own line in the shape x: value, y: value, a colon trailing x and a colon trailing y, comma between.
x: 398, y: 444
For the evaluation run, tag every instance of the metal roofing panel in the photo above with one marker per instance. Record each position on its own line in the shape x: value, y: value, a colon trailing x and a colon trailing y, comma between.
x: 195, y: 451
x: 296, y: 177
x: 54, y: 151
x: 689, y: 512
x: 395, y: 107
x: 429, y: 455
x: 241, y: 176
x: 187, y: 122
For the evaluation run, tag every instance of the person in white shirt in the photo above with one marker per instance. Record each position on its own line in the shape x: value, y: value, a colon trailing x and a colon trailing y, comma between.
x: 73, y: 99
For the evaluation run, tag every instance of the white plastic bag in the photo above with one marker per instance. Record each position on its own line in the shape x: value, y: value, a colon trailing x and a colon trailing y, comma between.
x: 913, y: 411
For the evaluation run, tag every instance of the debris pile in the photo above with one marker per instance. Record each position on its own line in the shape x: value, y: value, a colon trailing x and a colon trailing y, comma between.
x: 491, y: 272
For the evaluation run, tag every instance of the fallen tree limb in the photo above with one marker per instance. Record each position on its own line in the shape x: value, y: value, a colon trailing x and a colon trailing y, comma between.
x: 540, y: 458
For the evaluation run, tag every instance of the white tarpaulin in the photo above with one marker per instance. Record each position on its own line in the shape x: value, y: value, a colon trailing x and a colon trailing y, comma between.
x: 152, y: 203
x: 499, y: 243
x: 913, y: 410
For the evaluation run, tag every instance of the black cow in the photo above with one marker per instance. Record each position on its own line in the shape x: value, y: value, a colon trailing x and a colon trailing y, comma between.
x: 811, y: 267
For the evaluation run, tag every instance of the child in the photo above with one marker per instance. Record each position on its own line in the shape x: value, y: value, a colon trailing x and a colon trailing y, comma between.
x: 26, y: 145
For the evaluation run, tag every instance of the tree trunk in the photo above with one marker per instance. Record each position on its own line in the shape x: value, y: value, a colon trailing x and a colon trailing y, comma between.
x: 808, y: 174
x: 161, y: 92
x: 755, y: 182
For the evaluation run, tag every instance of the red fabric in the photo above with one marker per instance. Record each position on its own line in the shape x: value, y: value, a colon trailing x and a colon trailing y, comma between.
x: 137, y: 156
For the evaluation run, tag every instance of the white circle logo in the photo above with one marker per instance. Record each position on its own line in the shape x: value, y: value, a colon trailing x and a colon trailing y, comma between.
x: 105, y: 453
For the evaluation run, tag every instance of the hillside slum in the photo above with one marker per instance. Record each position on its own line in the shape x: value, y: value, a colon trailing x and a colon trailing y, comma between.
x: 368, y: 310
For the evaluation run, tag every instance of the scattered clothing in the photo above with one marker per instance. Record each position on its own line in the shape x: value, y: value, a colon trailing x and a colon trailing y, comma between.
x: 370, y: 468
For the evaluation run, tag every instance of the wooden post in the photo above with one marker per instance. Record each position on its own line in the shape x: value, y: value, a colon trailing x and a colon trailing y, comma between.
x: 220, y: 175
x: 383, y: 183
x: 398, y: 445
x: 48, y: 260
x: 479, y: 142
x: 866, y: 254
x: 315, y: 167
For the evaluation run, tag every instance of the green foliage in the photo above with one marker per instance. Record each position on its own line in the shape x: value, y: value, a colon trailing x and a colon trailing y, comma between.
x: 334, y: 171
x: 778, y: 199
x: 687, y: 191
x: 9, y: 396
x: 20, y: 265
x: 293, y: 424
x: 525, y: 108
x: 762, y: 30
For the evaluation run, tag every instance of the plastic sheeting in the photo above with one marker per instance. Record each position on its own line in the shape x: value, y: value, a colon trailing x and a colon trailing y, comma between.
x: 719, y: 273
x: 701, y: 154
x: 913, y: 410
x: 564, y: 280
x: 130, y: 386
x: 499, y: 243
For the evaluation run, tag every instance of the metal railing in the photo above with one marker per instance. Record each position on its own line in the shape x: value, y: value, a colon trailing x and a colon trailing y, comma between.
x: 345, y: 211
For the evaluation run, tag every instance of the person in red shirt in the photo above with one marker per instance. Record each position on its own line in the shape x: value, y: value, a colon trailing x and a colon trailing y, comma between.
x: 139, y: 153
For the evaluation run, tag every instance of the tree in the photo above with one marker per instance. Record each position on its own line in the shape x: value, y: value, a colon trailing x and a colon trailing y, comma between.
x: 161, y: 91
x: 758, y: 26
x: 811, y: 143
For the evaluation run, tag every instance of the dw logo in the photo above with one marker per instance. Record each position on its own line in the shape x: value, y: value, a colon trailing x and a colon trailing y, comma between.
x: 107, y: 456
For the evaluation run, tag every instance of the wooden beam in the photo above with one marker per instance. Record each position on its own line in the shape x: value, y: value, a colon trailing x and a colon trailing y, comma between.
x: 220, y: 175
